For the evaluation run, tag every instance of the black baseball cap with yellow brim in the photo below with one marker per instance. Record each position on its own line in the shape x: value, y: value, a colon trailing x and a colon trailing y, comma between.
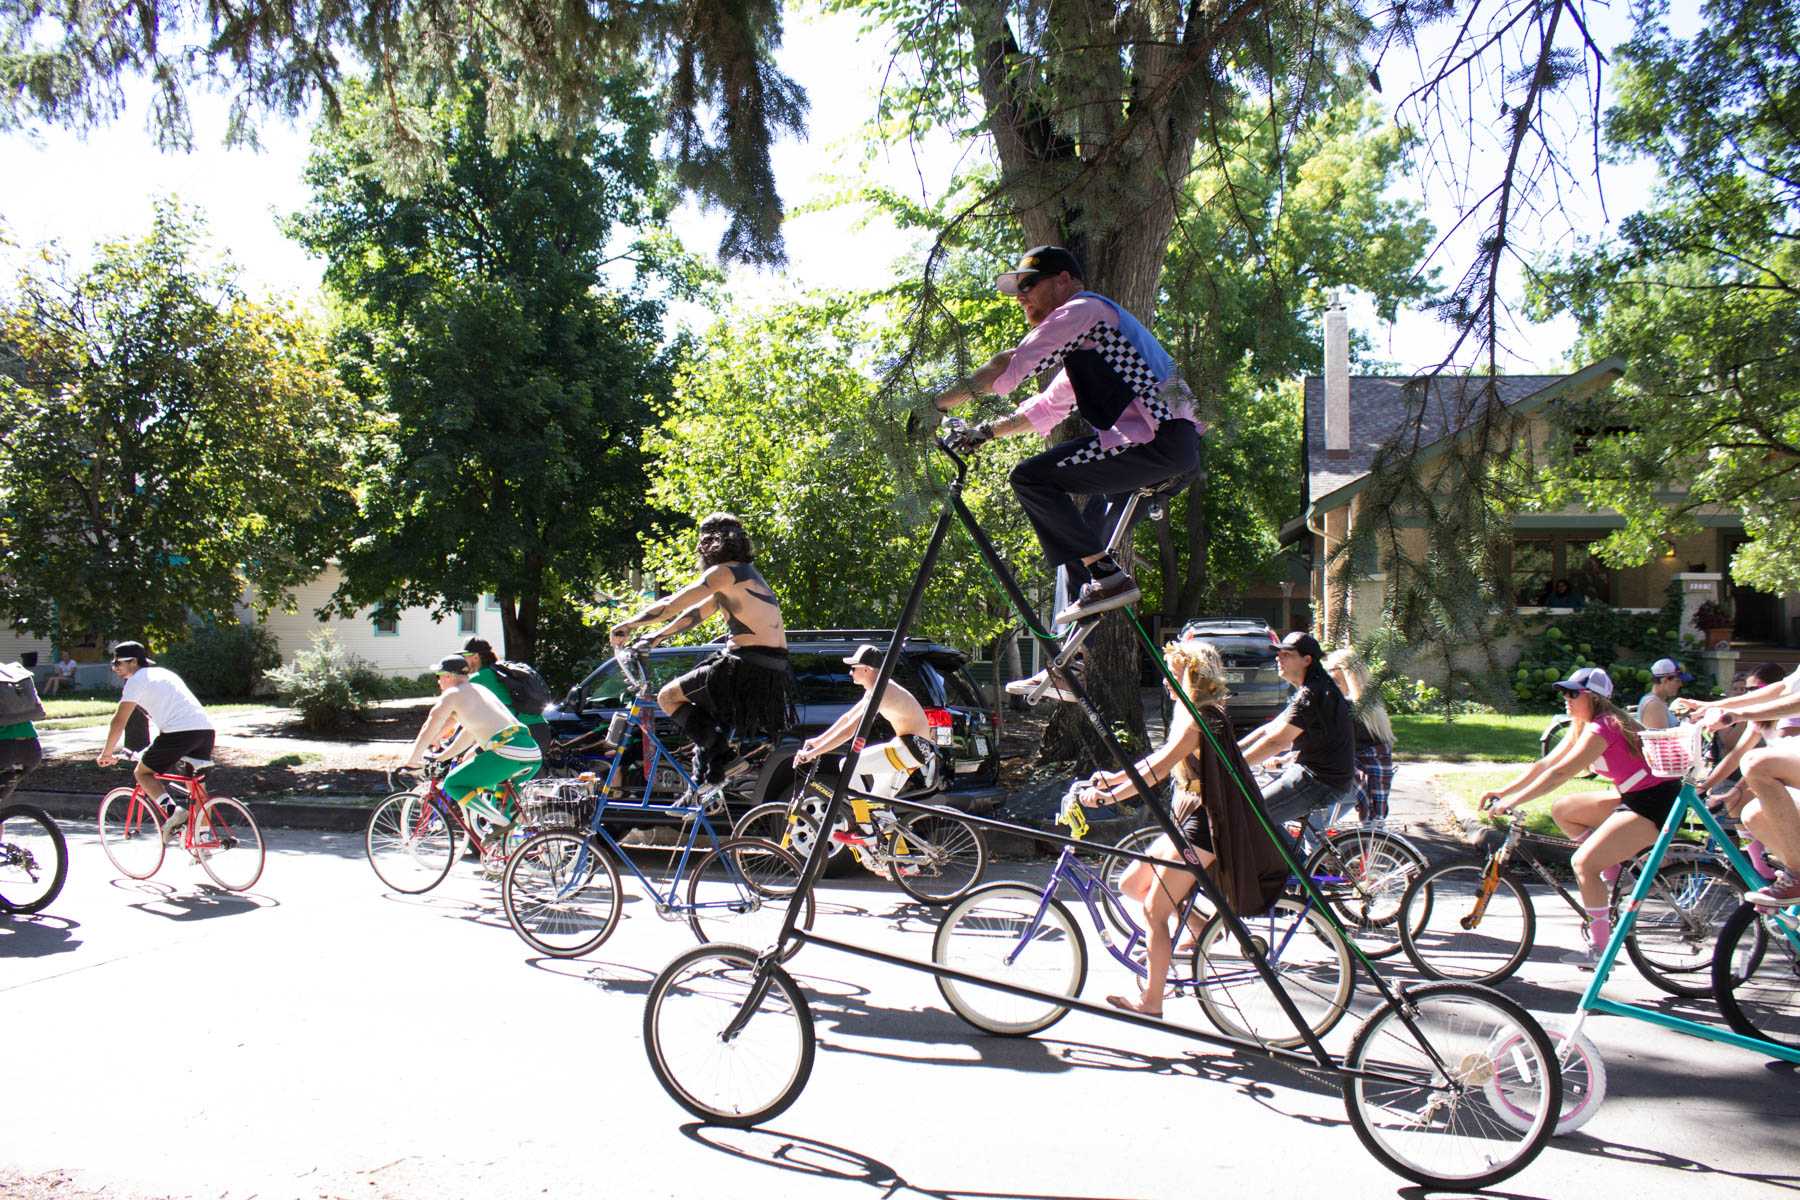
x: 1035, y: 262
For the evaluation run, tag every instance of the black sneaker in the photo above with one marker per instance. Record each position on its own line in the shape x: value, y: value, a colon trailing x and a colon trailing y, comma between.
x: 1101, y: 595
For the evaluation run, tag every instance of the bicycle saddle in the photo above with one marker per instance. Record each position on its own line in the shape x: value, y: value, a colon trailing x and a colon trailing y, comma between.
x: 194, y: 765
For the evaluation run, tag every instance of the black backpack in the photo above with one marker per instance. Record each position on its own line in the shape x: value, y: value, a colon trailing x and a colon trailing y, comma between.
x: 530, y: 694
x: 18, y: 695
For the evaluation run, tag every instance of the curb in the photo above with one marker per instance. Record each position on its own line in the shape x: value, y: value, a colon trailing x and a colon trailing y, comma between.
x: 270, y: 814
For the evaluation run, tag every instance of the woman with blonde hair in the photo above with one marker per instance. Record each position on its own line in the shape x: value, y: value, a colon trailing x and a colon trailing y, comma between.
x: 1611, y: 826
x: 1210, y: 808
x: 1374, y: 734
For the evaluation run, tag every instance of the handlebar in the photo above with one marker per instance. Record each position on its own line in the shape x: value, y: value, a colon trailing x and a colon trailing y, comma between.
x: 633, y: 667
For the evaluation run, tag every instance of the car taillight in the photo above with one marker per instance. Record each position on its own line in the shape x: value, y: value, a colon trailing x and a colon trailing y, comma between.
x: 994, y: 721
x: 942, y: 725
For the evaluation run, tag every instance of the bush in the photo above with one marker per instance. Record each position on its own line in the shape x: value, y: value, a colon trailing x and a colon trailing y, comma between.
x: 222, y: 662
x: 328, y: 685
x: 1624, y: 644
x: 399, y: 687
x: 1405, y: 696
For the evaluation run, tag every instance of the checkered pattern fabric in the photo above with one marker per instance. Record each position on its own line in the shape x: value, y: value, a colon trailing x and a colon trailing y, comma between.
x: 1375, y: 770
x: 1130, y: 366
x: 1091, y: 451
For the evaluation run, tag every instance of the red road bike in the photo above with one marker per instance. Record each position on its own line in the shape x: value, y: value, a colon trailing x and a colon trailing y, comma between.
x: 220, y: 834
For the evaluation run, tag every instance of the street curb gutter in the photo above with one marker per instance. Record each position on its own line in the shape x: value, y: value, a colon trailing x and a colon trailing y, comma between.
x: 271, y: 814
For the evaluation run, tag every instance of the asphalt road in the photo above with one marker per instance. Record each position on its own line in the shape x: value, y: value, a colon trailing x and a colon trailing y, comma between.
x: 322, y: 1038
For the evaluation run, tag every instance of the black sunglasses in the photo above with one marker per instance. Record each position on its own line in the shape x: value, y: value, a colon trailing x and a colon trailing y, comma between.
x: 1025, y: 285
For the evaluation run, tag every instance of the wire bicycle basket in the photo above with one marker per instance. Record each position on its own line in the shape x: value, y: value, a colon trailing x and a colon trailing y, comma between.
x: 1673, y: 753
x: 557, y: 804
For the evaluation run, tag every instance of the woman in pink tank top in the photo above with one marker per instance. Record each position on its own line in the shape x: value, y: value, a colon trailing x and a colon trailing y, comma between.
x: 1612, y: 825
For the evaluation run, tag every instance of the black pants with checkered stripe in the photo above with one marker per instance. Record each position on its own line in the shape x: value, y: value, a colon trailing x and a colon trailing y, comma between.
x: 1048, y: 483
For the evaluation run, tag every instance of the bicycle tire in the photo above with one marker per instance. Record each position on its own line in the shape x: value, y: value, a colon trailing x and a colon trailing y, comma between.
x: 410, y: 843
x: 756, y: 1075
x: 1515, y: 1095
x: 131, y: 833
x: 1378, y: 867
x: 985, y: 928
x: 1441, y: 947
x: 228, y: 844
x: 755, y: 889
x: 550, y: 896
x: 34, y: 859
x: 1418, y: 1109
x: 1756, y: 977
x: 1677, y: 928
x: 944, y: 860
x: 1306, y: 952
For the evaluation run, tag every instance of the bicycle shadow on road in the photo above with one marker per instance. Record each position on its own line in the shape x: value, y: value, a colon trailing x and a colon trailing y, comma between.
x: 37, y: 936
x: 608, y: 976
x: 201, y: 905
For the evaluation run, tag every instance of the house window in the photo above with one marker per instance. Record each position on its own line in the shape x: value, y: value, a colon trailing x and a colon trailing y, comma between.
x: 492, y: 603
x: 1539, y: 561
x: 467, y: 616
x: 387, y: 624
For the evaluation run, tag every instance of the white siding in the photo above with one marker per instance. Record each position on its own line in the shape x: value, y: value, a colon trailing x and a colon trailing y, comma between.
x: 419, y: 639
x: 13, y: 644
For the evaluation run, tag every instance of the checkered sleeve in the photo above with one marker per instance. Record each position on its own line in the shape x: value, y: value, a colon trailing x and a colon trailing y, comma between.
x: 1045, y: 347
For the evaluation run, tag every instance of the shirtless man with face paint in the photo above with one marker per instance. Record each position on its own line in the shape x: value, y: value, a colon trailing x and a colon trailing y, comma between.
x: 747, y: 686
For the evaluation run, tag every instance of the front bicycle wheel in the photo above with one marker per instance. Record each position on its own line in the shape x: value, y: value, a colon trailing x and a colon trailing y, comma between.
x: 1416, y: 1078
x: 1009, y: 933
x: 1308, y: 956
x: 131, y: 833
x: 561, y: 894
x: 34, y: 859
x: 732, y: 1076
x: 936, y: 858
x: 1366, y: 871
x: 1756, y: 975
x: 410, y: 842
x: 741, y: 892
x: 228, y: 844
x: 1678, y: 923
x: 1460, y: 936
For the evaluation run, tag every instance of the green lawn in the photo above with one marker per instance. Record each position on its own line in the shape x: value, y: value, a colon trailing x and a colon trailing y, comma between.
x: 79, y: 714
x: 1464, y: 790
x: 1477, y: 737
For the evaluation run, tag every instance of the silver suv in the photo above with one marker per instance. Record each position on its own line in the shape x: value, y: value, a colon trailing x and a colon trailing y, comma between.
x: 1247, y: 645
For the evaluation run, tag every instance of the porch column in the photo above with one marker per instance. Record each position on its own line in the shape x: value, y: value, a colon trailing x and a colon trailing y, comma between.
x: 1697, y: 587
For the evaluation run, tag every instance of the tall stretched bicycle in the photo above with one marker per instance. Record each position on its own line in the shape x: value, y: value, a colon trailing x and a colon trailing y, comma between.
x: 934, y: 857
x: 561, y: 889
x: 729, y: 1032
x: 219, y: 834
x: 34, y: 855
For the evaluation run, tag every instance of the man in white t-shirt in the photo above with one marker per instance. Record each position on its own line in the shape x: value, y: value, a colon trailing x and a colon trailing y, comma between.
x: 1666, y: 678
x: 183, y: 729
x: 1771, y: 772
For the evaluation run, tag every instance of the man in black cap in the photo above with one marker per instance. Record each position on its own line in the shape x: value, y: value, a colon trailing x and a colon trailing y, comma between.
x: 1111, y: 370
x: 1316, y: 724
x: 183, y: 730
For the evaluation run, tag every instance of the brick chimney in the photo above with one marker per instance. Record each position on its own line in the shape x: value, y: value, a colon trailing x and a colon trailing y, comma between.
x: 1337, y: 379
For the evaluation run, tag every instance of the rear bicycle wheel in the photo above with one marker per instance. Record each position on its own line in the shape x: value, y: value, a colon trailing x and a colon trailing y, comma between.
x: 996, y: 932
x: 1756, y: 976
x: 1677, y: 927
x: 753, y: 1075
x: 560, y: 892
x: 34, y: 859
x: 131, y: 833
x: 1419, y: 1102
x: 1311, y: 959
x: 1371, y: 869
x: 1516, y: 1094
x: 1451, y: 941
x: 741, y: 891
x: 228, y: 844
x: 410, y: 842
x: 943, y: 856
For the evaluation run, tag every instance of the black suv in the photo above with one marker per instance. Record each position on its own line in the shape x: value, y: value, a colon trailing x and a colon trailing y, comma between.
x: 966, y: 729
x: 1258, y: 692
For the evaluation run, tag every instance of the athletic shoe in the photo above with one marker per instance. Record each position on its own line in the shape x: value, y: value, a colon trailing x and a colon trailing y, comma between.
x: 174, y: 823
x: 1056, y: 691
x: 1587, y: 958
x: 1779, y: 894
x: 1101, y: 595
x: 843, y: 837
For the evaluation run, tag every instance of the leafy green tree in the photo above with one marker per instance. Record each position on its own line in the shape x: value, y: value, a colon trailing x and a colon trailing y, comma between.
x: 1700, y: 293
x: 165, y: 441
x: 516, y: 386
x: 768, y: 421
x: 546, y: 70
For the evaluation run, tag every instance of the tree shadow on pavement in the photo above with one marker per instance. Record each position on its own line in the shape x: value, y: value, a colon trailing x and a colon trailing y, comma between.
x: 37, y: 936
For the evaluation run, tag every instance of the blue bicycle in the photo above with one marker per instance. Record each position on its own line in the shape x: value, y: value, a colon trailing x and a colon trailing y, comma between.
x: 1022, y: 935
x: 561, y: 888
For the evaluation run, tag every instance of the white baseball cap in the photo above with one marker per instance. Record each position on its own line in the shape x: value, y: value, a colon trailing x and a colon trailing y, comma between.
x: 1587, y: 679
